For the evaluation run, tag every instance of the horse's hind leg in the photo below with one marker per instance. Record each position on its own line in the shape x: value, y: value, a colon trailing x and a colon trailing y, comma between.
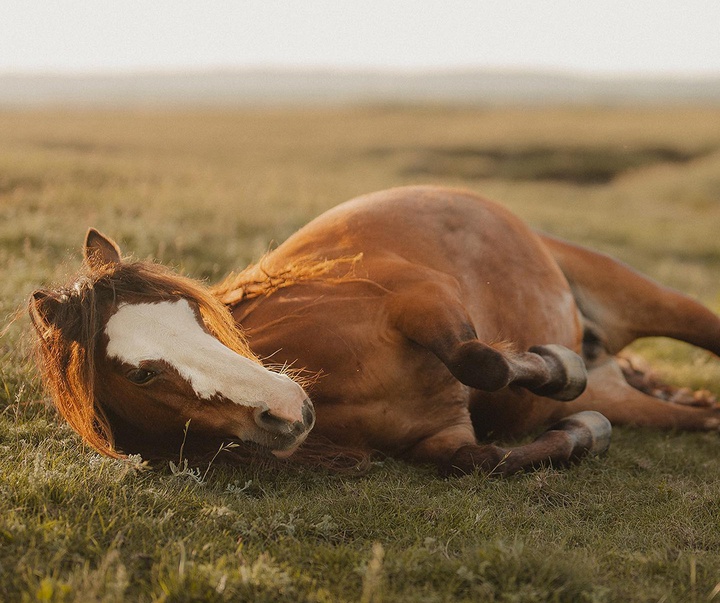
x: 579, y: 435
x: 620, y: 305
x: 431, y: 315
x: 609, y: 393
x: 641, y: 377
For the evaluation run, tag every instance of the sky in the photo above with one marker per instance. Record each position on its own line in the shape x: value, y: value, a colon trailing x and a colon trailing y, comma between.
x: 603, y: 37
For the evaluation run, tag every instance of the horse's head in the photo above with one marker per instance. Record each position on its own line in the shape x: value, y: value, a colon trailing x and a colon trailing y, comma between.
x: 131, y: 352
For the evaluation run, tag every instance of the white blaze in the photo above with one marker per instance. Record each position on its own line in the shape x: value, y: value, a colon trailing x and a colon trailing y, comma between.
x: 169, y: 331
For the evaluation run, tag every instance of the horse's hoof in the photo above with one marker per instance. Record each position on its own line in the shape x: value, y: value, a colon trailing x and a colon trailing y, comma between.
x: 591, y: 432
x: 569, y: 375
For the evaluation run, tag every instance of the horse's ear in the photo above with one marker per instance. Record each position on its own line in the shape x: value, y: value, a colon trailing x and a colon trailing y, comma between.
x: 100, y: 250
x: 44, y: 307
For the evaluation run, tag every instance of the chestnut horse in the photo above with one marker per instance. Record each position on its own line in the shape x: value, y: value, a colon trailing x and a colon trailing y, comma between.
x: 433, y: 319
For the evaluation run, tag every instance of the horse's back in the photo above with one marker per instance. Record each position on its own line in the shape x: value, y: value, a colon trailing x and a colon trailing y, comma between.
x: 431, y: 226
x: 499, y: 267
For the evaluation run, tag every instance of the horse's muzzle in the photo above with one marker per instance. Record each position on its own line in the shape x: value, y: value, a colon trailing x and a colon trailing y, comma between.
x: 284, y: 435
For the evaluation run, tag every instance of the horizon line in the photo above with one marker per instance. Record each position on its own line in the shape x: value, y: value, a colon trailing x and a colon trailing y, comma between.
x: 558, y: 72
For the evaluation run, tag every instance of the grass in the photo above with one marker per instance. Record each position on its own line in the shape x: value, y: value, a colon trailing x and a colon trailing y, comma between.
x: 207, y: 192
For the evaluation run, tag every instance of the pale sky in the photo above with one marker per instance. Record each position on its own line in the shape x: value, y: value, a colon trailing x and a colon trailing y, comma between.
x: 656, y: 37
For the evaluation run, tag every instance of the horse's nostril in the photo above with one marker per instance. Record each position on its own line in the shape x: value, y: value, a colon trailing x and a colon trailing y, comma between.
x: 267, y: 420
x: 282, y: 425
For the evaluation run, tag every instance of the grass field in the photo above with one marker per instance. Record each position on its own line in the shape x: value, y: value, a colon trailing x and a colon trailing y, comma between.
x: 207, y: 192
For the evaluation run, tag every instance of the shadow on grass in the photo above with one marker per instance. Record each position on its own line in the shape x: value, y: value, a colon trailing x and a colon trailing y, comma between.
x: 578, y: 165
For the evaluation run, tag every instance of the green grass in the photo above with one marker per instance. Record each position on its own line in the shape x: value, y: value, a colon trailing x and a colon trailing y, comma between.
x: 207, y: 192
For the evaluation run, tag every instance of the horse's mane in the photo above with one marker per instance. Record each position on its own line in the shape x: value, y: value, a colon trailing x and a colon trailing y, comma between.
x: 260, y: 279
x: 68, y: 321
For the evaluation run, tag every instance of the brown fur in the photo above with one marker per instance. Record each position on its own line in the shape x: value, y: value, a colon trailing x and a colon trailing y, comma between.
x: 433, y: 317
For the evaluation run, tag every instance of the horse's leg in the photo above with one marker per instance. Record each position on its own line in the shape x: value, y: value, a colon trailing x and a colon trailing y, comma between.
x: 620, y: 305
x: 569, y: 440
x: 643, y: 378
x: 609, y: 393
x: 430, y: 314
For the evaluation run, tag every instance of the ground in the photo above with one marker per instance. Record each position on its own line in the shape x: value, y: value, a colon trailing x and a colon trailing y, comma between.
x: 208, y: 191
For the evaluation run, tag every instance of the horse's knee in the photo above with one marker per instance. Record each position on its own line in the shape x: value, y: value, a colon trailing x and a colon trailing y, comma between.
x: 467, y: 459
x: 479, y: 366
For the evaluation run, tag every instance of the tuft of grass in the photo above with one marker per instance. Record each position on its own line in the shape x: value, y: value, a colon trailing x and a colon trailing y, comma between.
x: 207, y: 192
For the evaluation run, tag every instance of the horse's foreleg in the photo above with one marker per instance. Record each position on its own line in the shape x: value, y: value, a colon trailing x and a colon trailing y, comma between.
x: 432, y: 316
x: 552, y: 371
x: 582, y: 434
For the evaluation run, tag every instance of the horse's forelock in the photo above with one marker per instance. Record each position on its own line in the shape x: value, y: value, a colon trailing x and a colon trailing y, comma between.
x: 66, y: 325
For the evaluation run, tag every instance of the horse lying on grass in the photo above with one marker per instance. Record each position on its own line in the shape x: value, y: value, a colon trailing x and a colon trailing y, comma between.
x: 432, y: 319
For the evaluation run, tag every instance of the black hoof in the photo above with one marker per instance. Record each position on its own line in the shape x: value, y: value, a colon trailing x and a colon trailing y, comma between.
x: 569, y: 375
x: 590, y: 430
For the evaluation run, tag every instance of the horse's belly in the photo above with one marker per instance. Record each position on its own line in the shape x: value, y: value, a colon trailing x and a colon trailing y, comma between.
x: 372, y: 388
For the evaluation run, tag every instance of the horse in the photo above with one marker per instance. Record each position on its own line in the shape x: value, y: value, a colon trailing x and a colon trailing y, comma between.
x: 422, y: 323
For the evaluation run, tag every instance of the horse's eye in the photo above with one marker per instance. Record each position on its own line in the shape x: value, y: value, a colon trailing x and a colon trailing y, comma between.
x: 141, y: 376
